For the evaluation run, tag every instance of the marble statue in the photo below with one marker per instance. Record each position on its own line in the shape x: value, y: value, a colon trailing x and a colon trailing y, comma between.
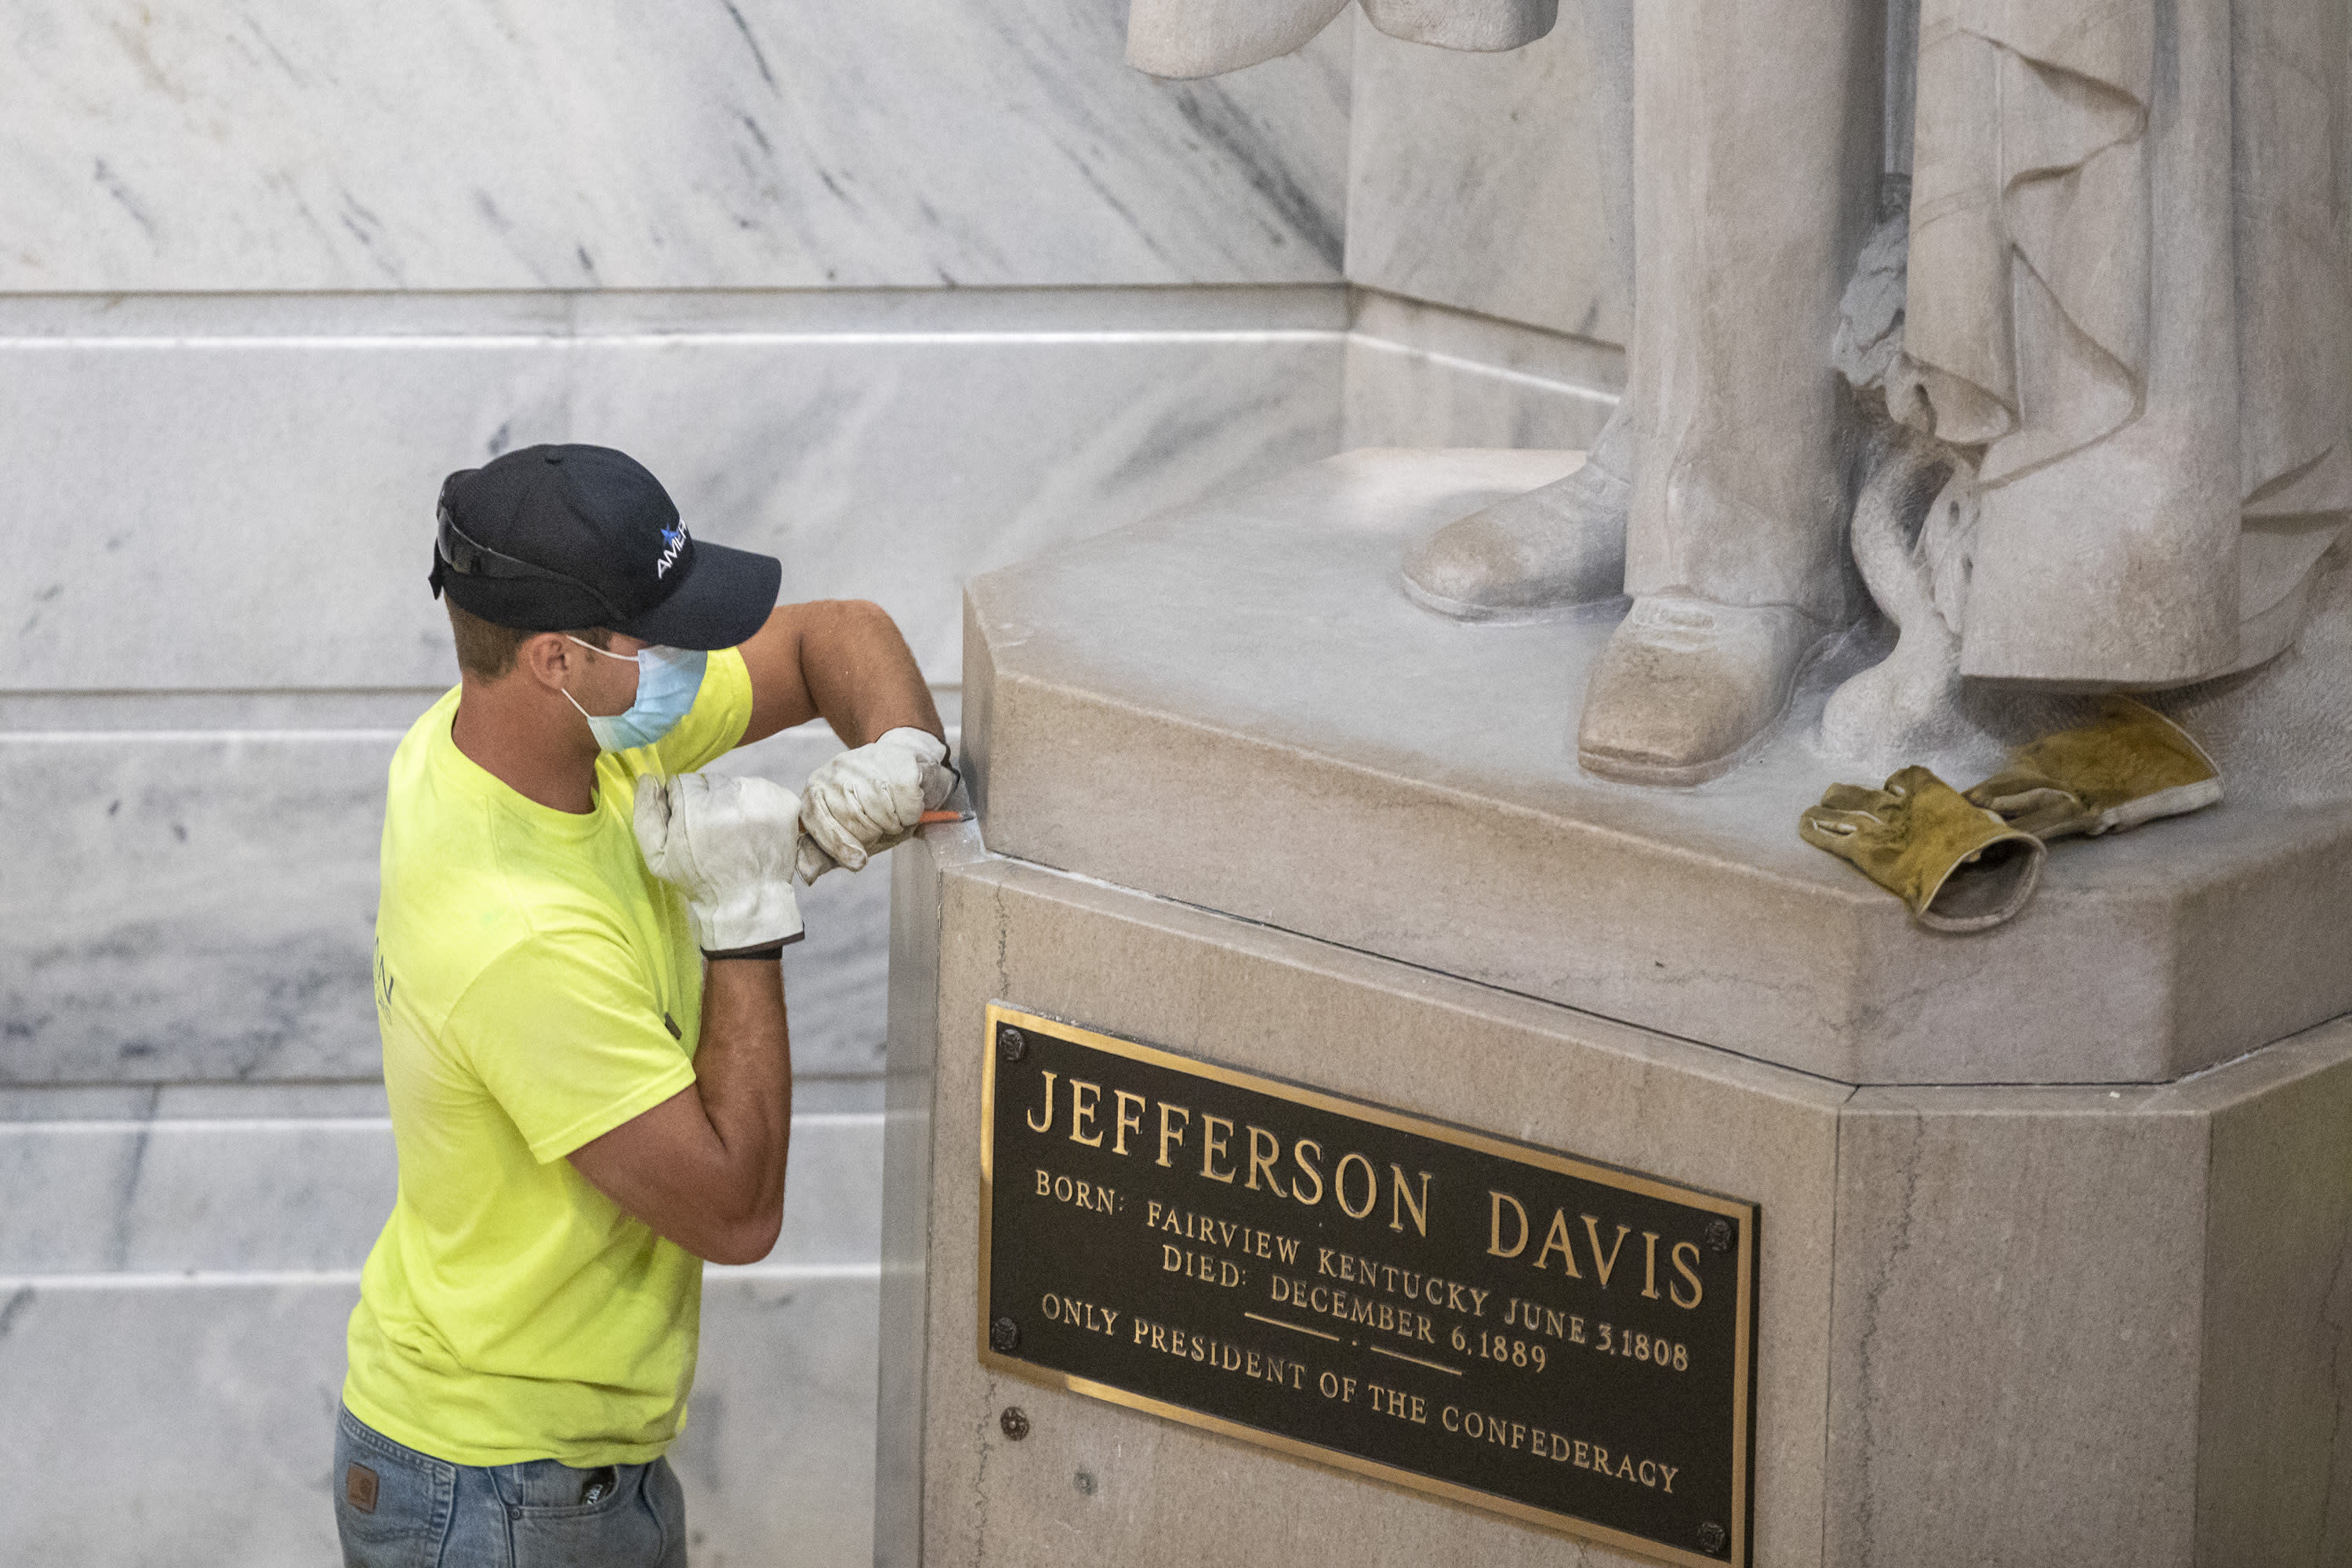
x: 2072, y: 373
x: 1205, y: 38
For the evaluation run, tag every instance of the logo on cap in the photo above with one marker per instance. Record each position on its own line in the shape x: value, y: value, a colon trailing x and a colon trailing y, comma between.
x: 673, y: 542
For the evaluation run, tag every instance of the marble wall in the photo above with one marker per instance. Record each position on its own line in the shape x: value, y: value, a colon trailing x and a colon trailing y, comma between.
x: 1500, y: 184
x: 1490, y: 236
x: 899, y: 293
x: 231, y: 958
x: 243, y: 508
x: 172, y: 1312
x: 1422, y: 376
x: 754, y: 143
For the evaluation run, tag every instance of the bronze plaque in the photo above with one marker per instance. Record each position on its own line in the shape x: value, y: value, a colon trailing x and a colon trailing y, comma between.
x: 1497, y: 1324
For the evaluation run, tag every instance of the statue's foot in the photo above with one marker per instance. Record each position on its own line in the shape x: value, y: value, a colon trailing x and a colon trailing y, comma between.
x: 1481, y: 25
x: 1686, y: 688
x: 1560, y: 544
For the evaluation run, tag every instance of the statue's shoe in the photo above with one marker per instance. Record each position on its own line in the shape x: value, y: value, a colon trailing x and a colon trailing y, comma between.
x: 1485, y: 25
x: 1687, y: 687
x: 1560, y: 544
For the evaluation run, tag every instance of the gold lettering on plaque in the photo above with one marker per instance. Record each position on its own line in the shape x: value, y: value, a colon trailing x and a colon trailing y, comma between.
x: 1167, y: 1136
x: 1400, y: 1199
x: 1046, y: 1125
x: 1307, y: 1170
x: 1688, y: 1271
x: 1263, y: 1150
x: 1359, y: 1303
x: 1084, y: 1098
x: 1212, y: 1145
x: 1602, y: 1266
x: 1557, y: 1240
x: 1200, y: 1266
x: 1126, y: 1123
x: 1079, y: 1314
x: 1495, y: 1247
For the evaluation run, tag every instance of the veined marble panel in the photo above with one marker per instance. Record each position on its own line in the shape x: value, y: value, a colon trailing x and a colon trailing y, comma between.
x: 274, y: 496
x: 1400, y: 395
x: 606, y: 312
x: 434, y: 144
x: 1501, y: 182
x: 159, y: 1421
x: 201, y: 906
x: 191, y: 908
x: 349, y: 1100
x: 1991, y: 1376
x: 1426, y: 375
x: 777, y: 1456
x: 279, y: 1194
x: 345, y: 1099
x: 1487, y: 343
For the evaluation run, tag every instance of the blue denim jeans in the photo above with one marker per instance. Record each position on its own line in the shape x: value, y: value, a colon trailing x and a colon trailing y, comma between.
x: 396, y: 1508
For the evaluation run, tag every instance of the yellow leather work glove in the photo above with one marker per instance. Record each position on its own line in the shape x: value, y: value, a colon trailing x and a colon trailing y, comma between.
x: 1959, y: 866
x: 2129, y: 765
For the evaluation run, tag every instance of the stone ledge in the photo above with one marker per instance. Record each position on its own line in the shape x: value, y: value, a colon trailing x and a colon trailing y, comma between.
x: 1233, y: 705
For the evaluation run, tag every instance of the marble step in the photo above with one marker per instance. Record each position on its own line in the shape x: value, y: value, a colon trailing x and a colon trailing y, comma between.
x: 879, y: 464
x: 174, y: 1284
x: 159, y: 1420
x: 199, y: 905
x: 222, y: 1196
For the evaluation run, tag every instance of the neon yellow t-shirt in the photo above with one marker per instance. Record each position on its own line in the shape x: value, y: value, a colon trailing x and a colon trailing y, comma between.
x: 536, y: 988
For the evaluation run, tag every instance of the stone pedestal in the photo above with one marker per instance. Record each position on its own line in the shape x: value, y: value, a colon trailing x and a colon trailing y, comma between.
x: 2053, y: 1219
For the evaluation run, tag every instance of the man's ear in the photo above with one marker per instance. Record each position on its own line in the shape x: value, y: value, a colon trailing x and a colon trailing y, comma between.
x: 547, y: 658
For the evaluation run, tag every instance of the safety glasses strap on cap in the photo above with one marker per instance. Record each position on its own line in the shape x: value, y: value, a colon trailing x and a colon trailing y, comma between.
x: 470, y: 558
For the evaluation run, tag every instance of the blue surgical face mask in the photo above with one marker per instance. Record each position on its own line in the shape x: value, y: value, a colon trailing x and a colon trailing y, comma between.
x: 668, y: 679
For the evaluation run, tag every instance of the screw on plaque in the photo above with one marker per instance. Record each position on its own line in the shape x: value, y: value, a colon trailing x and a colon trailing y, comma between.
x: 1009, y: 1045
x: 1710, y: 1538
x: 1004, y: 1336
x: 1718, y: 1234
x: 1085, y: 1483
x: 1016, y: 1422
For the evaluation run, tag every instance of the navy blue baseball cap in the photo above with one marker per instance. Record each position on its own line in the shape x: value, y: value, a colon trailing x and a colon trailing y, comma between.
x: 547, y: 539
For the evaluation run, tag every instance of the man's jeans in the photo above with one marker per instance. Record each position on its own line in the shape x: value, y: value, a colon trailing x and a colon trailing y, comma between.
x: 396, y: 1508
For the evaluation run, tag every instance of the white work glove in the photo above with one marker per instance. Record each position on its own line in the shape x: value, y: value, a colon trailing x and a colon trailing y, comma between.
x: 728, y: 845
x: 865, y: 800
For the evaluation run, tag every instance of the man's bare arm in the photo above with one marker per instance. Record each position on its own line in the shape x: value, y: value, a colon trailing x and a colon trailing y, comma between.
x: 839, y: 660
x: 705, y: 1167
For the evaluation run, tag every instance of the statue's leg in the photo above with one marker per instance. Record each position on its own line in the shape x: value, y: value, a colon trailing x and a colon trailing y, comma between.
x: 1478, y: 25
x: 1758, y: 144
x: 1564, y: 542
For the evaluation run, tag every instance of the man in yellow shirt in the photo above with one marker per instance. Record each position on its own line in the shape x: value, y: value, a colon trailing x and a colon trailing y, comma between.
x: 583, y: 1024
